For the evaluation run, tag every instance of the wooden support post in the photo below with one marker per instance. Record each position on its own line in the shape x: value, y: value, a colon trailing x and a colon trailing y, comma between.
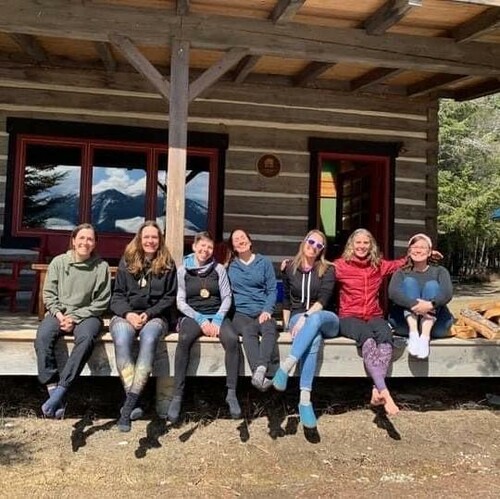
x: 177, y: 143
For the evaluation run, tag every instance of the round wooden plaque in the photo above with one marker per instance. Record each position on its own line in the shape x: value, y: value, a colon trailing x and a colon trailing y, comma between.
x: 269, y: 165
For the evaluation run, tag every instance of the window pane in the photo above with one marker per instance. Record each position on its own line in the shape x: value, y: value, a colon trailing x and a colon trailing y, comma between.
x: 118, y: 190
x: 197, y: 191
x: 51, y: 187
x: 328, y: 198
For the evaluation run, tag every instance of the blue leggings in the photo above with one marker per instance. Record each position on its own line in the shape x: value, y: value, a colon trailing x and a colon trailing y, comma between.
x: 135, y: 373
x: 305, y: 346
x: 430, y: 290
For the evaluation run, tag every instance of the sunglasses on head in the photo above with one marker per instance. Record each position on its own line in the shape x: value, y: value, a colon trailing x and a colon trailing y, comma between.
x: 315, y: 244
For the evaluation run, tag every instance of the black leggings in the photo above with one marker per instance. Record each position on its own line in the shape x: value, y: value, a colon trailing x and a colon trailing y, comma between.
x: 189, y: 332
x: 260, y: 351
x: 85, y: 334
x: 360, y: 331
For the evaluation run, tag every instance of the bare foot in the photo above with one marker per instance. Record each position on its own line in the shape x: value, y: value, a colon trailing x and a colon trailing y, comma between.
x: 389, y: 405
x: 376, y: 398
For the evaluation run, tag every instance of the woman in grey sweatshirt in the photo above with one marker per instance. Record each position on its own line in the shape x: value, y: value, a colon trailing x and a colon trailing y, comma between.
x: 76, y: 293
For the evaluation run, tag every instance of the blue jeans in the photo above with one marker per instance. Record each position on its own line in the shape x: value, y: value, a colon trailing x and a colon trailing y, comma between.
x: 135, y: 373
x: 305, y: 346
x: 430, y: 290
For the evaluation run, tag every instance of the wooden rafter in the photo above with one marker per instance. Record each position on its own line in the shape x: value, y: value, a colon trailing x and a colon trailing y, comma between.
x: 106, y: 56
x: 182, y: 7
x: 213, y: 73
x: 388, y: 15
x: 479, y: 2
x: 432, y: 83
x: 284, y: 10
x: 245, y: 67
x: 29, y: 45
x: 311, y: 72
x: 487, y: 87
x: 478, y: 26
x: 373, y: 77
x: 155, y: 27
x: 141, y: 64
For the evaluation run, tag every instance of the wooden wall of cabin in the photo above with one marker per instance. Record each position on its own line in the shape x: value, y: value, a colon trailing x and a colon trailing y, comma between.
x: 268, y: 120
x: 4, y: 147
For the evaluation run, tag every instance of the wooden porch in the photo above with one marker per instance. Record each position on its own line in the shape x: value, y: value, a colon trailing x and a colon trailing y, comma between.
x: 340, y: 357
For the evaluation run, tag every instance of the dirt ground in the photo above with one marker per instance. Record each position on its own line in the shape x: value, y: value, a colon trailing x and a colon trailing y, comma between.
x: 444, y: 443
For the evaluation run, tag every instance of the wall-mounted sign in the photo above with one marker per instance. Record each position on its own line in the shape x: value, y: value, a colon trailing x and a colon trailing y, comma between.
x: 269, y: 165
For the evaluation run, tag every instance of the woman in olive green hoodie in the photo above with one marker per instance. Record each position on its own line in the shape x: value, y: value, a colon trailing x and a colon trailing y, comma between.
x: 76, y: 293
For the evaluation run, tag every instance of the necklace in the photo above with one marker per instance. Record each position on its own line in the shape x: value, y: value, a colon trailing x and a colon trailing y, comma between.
x: 204, y: 292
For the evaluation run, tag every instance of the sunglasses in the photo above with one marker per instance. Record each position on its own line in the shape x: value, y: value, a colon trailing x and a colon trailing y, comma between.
x: 315, y: 244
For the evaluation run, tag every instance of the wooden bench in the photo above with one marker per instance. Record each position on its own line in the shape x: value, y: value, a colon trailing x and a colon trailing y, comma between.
x: 9, y: 282
x: 339, y: 357
x: 41, y: 273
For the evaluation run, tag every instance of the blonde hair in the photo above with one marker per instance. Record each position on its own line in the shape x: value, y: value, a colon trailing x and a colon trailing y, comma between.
x: 321, y: 265
x: 374, y: 256
x: 135, y: 257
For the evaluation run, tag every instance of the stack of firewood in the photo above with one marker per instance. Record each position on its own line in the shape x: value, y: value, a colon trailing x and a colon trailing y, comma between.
x: 479, y: 319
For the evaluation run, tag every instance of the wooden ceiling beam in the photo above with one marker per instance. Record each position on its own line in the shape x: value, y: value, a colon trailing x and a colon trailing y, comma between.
x: 373, y: 77
x: 479, y: 2
x: 390, y: 13
x: 479, y: 25
x: 93, y: 79
x: 182, y: 7
x: 30, y: 46
x: 488, y: 87
x: 285, y: 10
x: 141, y: 64
x: 245, y: 67
x: 433, y: 83
x: 154, y: 27
x: 106, y: 56
x: 311, y: 72
x: 216, y: 71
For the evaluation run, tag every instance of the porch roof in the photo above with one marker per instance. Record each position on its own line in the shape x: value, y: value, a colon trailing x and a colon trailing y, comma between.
x: 444, y: 48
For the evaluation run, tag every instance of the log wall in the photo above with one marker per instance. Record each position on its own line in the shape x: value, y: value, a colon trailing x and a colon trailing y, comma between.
x: 4, y: 146
x: 259, y: 120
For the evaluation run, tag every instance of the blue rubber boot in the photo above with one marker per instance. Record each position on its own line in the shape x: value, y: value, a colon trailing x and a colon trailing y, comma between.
x: 280, y: 380
x: 307, y: 416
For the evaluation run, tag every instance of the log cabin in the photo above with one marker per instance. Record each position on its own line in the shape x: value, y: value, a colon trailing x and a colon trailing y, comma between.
x: 273, y: 115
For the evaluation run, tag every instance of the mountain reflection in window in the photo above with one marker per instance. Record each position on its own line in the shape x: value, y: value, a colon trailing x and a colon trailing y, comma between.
x: 51, y: 195
x: 196, y: 194
x: 118, y: 190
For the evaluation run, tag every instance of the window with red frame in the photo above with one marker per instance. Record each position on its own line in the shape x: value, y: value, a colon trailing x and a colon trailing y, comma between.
x: 61, y: 182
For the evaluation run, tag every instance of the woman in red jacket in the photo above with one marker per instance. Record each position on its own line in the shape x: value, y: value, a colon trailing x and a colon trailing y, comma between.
x: 360, y: 273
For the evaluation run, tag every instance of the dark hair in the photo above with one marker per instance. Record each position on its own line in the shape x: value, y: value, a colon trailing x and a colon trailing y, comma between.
x: 75, y: 232
x: 230, y: 253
